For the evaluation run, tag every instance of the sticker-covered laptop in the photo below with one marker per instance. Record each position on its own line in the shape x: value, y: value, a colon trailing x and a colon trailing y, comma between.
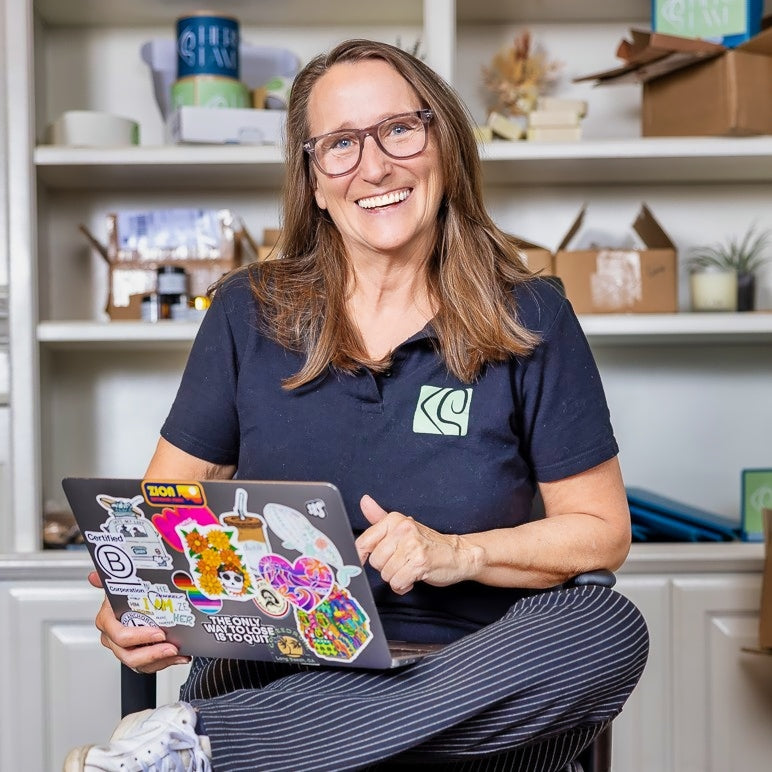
x: 236, y: 569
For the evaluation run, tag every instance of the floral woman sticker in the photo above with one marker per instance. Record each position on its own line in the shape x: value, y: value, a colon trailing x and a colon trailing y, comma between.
x: 216, y: 565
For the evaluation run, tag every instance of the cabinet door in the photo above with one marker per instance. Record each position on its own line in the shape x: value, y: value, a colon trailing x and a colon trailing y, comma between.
x: 60, y: 686
x: 640, y: 738
x: 722, y: 695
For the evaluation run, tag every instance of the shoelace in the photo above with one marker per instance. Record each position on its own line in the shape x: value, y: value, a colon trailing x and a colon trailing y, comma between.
x: 171, y: 760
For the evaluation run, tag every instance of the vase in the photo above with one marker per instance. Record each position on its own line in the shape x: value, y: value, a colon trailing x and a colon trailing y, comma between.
x: 746, y: 291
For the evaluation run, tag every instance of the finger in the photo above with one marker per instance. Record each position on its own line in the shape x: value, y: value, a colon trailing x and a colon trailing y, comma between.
x: 94, y: 579
x: 371, y: 509
x: 145, y: 659
x: 123, y: 636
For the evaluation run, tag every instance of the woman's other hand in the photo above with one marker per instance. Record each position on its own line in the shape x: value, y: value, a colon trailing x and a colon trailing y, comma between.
x: 406, y: 552
x: 144, y: 649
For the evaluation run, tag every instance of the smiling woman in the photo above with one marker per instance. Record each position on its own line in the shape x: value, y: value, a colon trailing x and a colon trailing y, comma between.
x: 400, y: 348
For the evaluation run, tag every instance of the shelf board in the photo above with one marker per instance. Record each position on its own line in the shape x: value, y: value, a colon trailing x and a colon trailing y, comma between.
x: 249, y: 167
x: 101, y: 13
x: 663, y: 329
x: 165, y: 167
x: 627, y: 161
x: 339, y: 12
x: 599, y: 328
x: 96, y: 335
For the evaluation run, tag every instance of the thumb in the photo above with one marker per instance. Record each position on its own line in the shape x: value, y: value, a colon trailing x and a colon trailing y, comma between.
x: 371, y: 509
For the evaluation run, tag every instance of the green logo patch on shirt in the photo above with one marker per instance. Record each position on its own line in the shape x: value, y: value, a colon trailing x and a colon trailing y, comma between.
x: 442, y: 411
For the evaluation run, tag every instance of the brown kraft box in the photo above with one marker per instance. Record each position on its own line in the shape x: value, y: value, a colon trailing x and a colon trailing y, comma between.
x: 621, y: 280
x: 730, y: 95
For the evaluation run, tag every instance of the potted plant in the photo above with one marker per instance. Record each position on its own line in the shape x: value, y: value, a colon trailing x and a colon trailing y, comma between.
x: 742, y: 256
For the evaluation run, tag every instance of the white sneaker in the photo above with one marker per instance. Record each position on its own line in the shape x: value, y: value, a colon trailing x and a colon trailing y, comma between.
x: 165, y: 740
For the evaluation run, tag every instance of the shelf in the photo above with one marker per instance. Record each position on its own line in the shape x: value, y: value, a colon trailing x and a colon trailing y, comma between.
x: 205, y: 167
x: 599, y: 328
x: 101, y: 13
x: 127, y: 335
x: 629, y: 161
x: 229, y: 167
x: 339, y: 12
x: 663, y: 329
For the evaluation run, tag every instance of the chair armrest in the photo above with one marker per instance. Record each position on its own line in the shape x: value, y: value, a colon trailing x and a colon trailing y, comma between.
x: 601, y: 576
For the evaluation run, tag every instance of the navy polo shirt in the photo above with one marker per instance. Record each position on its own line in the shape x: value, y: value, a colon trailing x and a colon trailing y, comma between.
x: 458, y: 457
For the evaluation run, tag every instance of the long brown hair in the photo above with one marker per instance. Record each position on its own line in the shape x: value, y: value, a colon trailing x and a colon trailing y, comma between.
x: 470, y: 275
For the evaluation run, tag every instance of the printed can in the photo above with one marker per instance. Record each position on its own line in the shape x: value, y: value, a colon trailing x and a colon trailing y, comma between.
x: 207, y: 45
x: 209, y: 91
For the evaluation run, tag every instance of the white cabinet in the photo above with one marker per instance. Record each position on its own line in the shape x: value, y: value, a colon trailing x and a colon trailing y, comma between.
x: 703, y: 703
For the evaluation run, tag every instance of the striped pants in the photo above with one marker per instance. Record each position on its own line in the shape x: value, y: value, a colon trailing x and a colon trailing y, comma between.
x: 528, y: 692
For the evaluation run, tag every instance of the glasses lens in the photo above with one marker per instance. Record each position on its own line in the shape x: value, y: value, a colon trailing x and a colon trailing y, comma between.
x: 402, y: 135
x: 338, y: 152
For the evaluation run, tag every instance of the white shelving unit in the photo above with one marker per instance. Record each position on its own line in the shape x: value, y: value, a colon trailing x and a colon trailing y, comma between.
x: 689, y: 393
x: 74, y: 373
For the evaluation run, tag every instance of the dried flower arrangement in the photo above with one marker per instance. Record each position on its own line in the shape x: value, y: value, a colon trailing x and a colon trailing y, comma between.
x: 518, y: 75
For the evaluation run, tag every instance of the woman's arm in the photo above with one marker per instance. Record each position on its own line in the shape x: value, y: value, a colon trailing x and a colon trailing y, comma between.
x: 587, y: 526
x: 146, y: 648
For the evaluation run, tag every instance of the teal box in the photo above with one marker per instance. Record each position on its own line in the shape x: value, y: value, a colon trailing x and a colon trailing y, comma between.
x: 756, y: 497
x: 729, y: 22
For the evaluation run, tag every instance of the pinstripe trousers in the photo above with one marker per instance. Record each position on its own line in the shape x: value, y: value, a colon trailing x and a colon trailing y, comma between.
x: 528, y: 692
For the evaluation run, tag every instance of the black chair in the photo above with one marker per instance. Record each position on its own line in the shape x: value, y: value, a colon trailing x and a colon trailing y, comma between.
x: 138, y: 690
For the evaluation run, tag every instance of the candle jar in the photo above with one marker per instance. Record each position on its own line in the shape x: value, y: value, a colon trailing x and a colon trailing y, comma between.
x: 713, y: 290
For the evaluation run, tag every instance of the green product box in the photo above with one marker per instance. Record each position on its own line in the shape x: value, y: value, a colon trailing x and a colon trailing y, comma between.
x: 756, y: 497
x: 729, y: 22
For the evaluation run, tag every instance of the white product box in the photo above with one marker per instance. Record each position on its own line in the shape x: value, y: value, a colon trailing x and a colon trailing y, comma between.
x: 227, y: 125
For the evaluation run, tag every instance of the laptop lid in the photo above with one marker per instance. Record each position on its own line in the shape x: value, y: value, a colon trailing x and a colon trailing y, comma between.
x: 233, y: 568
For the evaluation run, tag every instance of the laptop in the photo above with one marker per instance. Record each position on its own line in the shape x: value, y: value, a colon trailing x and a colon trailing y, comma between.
x: 236, y: 569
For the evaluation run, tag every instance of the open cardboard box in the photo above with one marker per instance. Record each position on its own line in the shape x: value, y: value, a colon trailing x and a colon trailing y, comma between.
x: 133, y: 273
x: 537, y: 258
x: 697, y: 88
x: 621, y: 280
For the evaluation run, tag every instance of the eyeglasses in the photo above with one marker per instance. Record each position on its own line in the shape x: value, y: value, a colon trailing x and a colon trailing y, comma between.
x: 398, y: 136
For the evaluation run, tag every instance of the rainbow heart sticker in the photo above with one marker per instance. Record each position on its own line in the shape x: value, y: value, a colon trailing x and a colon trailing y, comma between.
x: 304, y: 583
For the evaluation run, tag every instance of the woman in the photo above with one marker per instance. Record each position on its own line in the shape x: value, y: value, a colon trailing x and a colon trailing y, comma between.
x: 401, y: 349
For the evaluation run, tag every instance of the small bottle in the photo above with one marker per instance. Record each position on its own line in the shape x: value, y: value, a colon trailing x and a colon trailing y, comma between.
x: 150, y: 308
x: 172, y: 285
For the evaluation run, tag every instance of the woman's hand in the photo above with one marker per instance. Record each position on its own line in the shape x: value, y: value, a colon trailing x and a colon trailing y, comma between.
x: 406, y: 552
x: 144, y: 649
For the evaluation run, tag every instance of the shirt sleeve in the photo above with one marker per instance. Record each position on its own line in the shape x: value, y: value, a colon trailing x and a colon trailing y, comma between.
x: 564, y: 416
x: 203, y: 418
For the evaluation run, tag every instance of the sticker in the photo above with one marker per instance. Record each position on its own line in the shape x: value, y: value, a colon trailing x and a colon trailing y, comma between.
x: 131, y: 588
x: 234, y: 629
x: 164, y: 607
x: 133, y: 619
x: 189, y: 494
x: 198, y: 600
x: 216, y: 564
x: 288, y: 647
x: 298, y: 534
x: 250, y: 529
x: 304, y: 583
x: 269, y: 601
x: 140, y: 540
x: 337, y: 629
x: 113, y: 561
x: 170, y: 517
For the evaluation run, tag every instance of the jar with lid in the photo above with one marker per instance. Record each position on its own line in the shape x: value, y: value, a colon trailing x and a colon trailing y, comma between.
x: 172, y: 289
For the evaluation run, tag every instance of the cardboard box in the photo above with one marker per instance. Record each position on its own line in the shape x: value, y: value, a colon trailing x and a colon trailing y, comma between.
x: 765, y: 616
x: 725, y: 96
x: 221, y: 126
x: 537, y: 258
x: 621, y: 280
x: 134, y: 272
